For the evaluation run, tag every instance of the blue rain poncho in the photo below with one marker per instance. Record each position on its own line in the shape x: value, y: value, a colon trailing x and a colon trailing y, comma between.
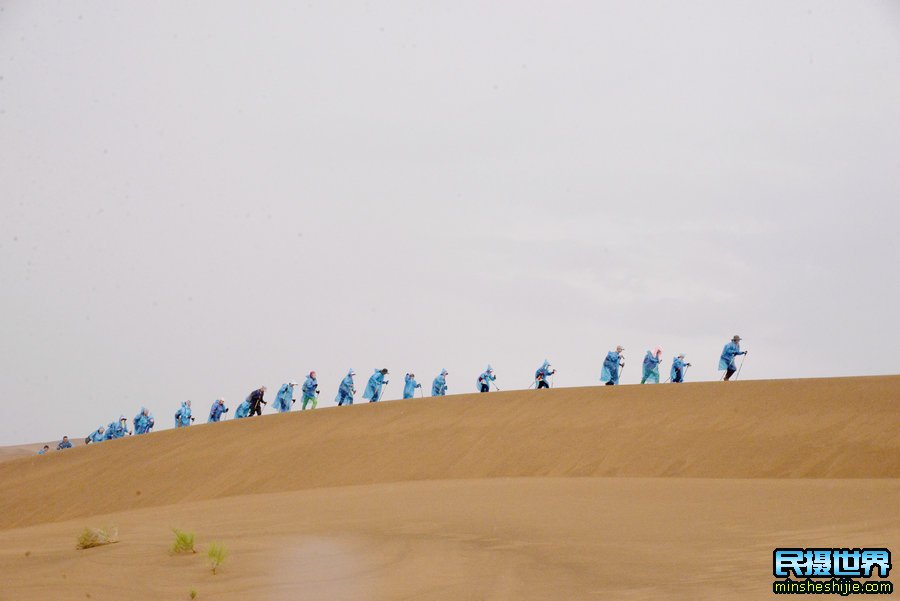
x: 142, y: 422
x: 611, y: 364
x: 486, y: 377
x: 117, y: 429
x: 374, y: 386
x: 243, y: 410
x: 183, y: 416
x: 409, y: 387
x: 543, y: 372
x: 731, y: 350
x: 651, y: 369
x: 439, y: 386
x: 346, y: 390
x: 97, y: 435
x: 677, y: 373
x: 285, y: 398
x: 216, y: 411
x: 110, y: 433
x: 309, y: 387
x: 63, y: 444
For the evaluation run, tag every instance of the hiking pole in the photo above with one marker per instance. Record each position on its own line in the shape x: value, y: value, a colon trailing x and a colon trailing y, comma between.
x: 495, y: 386
x: 738, y: 374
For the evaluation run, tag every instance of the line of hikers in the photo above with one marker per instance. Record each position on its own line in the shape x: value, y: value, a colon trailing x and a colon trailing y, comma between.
x: 612, y: 367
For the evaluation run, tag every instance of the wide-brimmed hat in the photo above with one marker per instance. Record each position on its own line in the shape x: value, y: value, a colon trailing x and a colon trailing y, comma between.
x: 736, y: 338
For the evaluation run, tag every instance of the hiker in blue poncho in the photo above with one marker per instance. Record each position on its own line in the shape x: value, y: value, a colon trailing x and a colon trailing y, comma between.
x: 726, y: 361
x: 310, y: 391
x: 346, y: 390
x: 284, y: 400
x: 485, y: 379
x: 439, y: 386
x: 542, y: 374
x: 96, y: 436
x: 217, y: 410
x: 679, y: 367
x: 243, y: 410
x: 183, y: 417
x: 375, y: 384
x: 651, y: 366
x: 611, y: 365
x: 143, y: 421
x: 409, y: 386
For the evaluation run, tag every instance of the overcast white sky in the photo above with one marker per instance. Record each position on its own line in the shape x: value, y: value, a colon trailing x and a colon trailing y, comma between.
x: 200, y: 198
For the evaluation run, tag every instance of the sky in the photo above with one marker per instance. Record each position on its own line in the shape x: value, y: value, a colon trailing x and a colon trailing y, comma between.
x: 197, y: 199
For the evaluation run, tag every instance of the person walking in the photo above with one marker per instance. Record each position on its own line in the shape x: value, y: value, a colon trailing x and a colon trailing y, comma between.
x: 485, y: 379
x: 143, y: 421
x: 375, y: 385
x: 310, y: 391
x: 651, y: 366
x: 256, y: 400
x: 183, y: 417
x: 217, y: 410
x: 679, y: 368
x: 726, y: 361
x: 409, y: 386
x: 542, y: 374
x: 615, y: 360
x: 243, y: 410
x: 284, y: 400
x: 346, y: 390
x: 439, y: 386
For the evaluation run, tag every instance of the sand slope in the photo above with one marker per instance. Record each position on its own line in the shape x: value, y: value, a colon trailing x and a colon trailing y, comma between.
x: 567, y: 493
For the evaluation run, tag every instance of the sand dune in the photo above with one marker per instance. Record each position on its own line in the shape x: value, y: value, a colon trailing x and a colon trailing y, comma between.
x: 634, y: 492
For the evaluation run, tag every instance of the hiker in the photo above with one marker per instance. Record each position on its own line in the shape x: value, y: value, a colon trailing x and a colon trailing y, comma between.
x: 118, y: 429
x: 409, y: 386
x: 256, y: 400
x: 284, y: 400
x: 217, y: 410
x: 310, y: 391
x: 346, y: 390
x: 95, y: 436
x: 376, y: 383
x: 111, y: 431
x: 439, y: 386
x: 651, y: 366
x: 44, y: 450
x: 485, y: 379
x: 541, y: 375
x: 678, y: 369
x: 64, y: 444
x: 143, y: 422
x: 183, y: 417
x: 611, y: 365
x: 243, y: 410
x: 726, y: 361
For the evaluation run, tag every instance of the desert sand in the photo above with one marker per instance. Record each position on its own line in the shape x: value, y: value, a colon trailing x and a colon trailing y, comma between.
x: 630, y: 492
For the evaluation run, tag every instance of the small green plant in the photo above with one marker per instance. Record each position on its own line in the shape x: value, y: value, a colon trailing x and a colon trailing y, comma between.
x: 184, y: 542
x: 193, y: 593
x: 96, y: 537
x: 216, y: 554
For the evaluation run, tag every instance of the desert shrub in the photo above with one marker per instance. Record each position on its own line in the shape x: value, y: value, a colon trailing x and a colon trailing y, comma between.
x: 216, y: 554
x: 184, y: 542
x: 96, y: 537
x: 193, y: 593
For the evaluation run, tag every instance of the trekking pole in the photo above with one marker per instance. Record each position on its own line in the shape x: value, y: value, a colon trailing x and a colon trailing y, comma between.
x: 495, y: 386
x: 738, y: 374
